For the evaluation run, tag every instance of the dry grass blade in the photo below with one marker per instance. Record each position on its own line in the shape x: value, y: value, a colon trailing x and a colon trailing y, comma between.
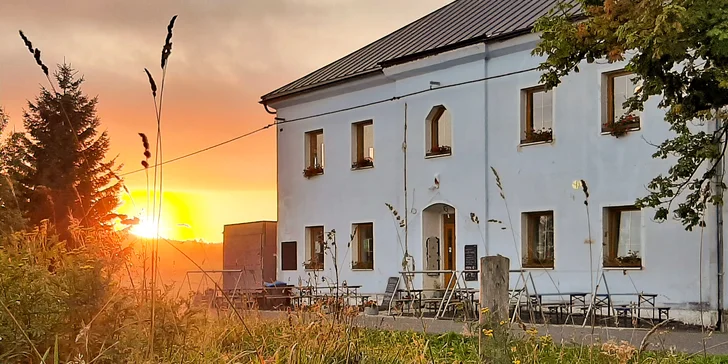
x: 145, y: 143
x: 167, y: 49
x: 35, y: 52
x: 22, y: 331
x: 26, y: 41
x: 217, y: 286
x: 154, y: 90
x: 643, y: 344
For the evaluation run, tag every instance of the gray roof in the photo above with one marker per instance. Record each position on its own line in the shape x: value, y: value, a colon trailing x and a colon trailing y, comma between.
x: 460, y: 23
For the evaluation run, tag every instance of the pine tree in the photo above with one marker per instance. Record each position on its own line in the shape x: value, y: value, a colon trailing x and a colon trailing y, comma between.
x: 11, y: 216
x: 68, y: 180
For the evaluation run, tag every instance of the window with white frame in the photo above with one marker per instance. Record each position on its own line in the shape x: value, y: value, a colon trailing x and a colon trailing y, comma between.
x: 620, y: 87
x: 538, y: 115
x: 623, y: 237
x: 314, y: 142
x: 363, y: 246
x: 362, y: 154
x: 538, y: 239
x: 438, y: 130
x: 315, y: 245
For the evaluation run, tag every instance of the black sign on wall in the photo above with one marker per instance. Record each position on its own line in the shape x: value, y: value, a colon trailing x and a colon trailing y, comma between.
x: 471, y: 262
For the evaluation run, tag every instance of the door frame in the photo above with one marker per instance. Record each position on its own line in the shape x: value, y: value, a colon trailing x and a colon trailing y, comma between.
x: 449, y: 248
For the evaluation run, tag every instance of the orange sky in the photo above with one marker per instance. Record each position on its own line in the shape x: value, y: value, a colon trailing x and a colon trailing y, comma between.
x: 226, y: 54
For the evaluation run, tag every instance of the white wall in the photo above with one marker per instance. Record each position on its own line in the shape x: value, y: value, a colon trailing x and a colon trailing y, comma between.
x: 486, y: 132
x: 539, y: 177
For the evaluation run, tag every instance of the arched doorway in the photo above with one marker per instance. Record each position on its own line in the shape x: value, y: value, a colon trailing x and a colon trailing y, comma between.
x: 439, y: 244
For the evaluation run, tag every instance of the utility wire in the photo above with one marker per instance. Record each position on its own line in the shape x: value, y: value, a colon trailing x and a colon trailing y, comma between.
x: 395, y: 98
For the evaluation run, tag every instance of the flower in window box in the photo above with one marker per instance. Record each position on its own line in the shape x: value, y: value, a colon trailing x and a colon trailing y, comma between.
x: 538, y: 262
x: 364, y: 163
x: 623, y: 125
x: 311, y: 171
x: 440, y: 150
x: 313, y: 265
x: 631, y: 259
x: 541, y: 135
x: 362, y: 265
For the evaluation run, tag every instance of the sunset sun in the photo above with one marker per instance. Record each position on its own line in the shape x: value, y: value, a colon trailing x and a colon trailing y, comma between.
x: 145, y: 229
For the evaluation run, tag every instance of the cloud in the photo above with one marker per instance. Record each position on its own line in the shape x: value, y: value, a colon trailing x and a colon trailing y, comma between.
x: 226, y: 53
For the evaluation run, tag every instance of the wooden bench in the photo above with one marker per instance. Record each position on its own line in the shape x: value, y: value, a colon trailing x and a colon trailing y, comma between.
x: 627, y: 311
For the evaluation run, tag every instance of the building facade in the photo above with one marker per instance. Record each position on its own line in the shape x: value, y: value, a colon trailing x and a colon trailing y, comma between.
x: 420, y: 148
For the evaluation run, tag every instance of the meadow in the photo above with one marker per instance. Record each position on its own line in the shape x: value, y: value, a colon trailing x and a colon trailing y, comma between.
x: 63, y: 305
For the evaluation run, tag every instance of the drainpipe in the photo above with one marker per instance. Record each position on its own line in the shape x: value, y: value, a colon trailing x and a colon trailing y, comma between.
x: 406, y: 206
x: 486, y: 56
x: 719, y: 233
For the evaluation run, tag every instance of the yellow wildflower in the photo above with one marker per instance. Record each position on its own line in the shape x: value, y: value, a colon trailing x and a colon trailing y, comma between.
x: 484, y: 310
x: 546, y: 339
x: 513, y: 349
x: 532, y: 331
x: 503, y: 322
x: 516, y: 361
x: 488, y: 333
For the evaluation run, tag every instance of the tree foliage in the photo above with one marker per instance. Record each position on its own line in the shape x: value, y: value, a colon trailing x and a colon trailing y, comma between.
x: 678, y: 50
x: 11, y: 215
x: 60, y: 163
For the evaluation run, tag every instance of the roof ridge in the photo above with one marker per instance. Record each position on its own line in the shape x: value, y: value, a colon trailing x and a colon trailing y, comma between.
x: 455, y: 25
x: 392, y: 34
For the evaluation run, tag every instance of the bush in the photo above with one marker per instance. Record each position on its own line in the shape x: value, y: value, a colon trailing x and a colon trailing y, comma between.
x: 53, y: 293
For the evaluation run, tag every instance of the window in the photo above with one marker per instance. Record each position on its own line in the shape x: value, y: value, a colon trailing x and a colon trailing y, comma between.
x: 362, y: 155
x: 538, y: 116
x: 619, y: 88
x: 314, y: 153
x: 289, y: 251
x: 315, y: 244
x: 622, y: 236
x: 363, y: 247
x: 439, y: 132
x: 538, y: 239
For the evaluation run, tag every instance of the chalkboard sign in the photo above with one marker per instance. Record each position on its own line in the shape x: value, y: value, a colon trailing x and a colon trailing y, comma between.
x: 471, y: 262
x: 389, y: 292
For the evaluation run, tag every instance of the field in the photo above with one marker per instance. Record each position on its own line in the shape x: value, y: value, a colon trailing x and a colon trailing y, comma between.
x: 69, y: 306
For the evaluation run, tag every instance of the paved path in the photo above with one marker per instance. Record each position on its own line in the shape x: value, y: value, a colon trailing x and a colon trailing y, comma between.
x: 662, y: 339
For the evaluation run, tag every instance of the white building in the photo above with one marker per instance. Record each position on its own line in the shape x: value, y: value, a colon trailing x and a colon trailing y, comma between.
x: 459, y: 88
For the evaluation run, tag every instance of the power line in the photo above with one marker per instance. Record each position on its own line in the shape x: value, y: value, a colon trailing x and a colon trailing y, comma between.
x: 202, y: 150
x: 395, y: 98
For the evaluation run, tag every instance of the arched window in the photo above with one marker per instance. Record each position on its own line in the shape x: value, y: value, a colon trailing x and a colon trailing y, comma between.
x: 438, y: 132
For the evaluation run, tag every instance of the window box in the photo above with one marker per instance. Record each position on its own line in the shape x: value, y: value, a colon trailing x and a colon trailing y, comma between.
x: 622, y: 126
x: 363, y: 163
x: 441, y: 150
x: 538, y: 263
x: 624, y: 262
x: 313, y: 171
x: 535, y: 136
x: 313, y: 266
x: 362, y: 265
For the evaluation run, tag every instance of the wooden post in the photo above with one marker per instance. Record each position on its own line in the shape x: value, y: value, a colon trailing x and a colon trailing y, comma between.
x: 494, y: 274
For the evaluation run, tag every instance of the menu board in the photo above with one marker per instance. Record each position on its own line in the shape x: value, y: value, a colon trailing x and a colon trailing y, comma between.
x: 471, y: 262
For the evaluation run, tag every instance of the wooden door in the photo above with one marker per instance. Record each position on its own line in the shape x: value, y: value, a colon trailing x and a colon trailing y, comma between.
x: 449, y: 246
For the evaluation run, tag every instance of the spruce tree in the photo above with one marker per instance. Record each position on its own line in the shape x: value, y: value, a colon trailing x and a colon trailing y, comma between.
x: 11, y: 216
x: 68, y: 179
